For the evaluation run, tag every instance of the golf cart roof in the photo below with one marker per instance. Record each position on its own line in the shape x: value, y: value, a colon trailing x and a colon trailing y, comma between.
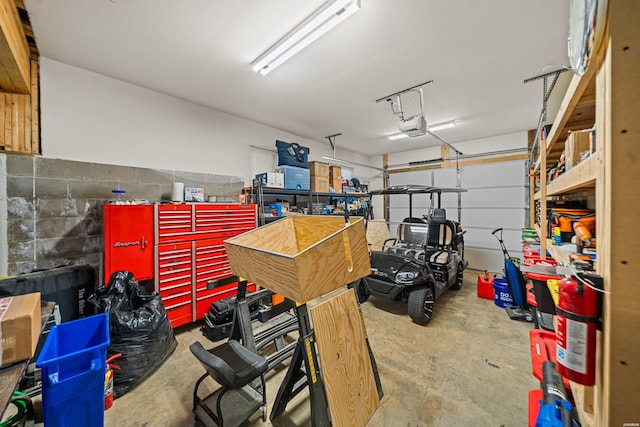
x: 416, y: 189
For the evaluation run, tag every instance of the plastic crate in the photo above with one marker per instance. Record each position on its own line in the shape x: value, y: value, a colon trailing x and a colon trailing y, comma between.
x: 73, y: 362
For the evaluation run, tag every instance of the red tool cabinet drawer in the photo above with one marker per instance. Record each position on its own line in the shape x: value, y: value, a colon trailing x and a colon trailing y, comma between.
x: 173, y: 223
x: 179, y: 307
x: 211, y: 262
x: 221, y: 217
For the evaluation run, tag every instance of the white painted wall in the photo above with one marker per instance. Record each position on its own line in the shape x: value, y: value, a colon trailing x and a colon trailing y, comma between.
x: 90, y: 117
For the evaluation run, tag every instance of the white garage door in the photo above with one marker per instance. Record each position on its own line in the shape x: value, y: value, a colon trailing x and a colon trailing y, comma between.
x: 495, y: 198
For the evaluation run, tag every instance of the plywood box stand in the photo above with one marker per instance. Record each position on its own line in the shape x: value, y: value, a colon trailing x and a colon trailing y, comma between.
x: 348, y: 376
x: 301, y: 257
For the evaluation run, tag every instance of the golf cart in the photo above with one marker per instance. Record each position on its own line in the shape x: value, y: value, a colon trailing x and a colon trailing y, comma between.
x: 424, y: 259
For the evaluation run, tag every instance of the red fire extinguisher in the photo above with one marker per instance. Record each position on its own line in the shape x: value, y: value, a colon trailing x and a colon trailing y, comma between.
x: 577, y: 315
x: 108, y: 381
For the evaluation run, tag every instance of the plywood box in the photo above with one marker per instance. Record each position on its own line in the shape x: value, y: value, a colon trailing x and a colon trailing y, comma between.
x: 319, y: 169
x: 320, y: 183
x: 576, y: 143
x: 20, y: 324
x: 303, y: 256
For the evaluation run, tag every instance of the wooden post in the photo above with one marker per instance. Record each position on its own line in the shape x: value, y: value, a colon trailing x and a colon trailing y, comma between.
x: 618, y: 203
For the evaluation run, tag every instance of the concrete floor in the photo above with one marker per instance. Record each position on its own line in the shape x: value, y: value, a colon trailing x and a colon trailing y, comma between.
x: 469, y: 366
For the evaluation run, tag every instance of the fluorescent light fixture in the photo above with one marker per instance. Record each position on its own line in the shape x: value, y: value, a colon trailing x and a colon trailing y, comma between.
x: 432, y: 128
x: 444, y: 125
x: 322, y: 20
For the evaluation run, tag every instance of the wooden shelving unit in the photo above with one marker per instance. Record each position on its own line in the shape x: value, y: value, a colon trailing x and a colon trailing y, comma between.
x: 607, y: 96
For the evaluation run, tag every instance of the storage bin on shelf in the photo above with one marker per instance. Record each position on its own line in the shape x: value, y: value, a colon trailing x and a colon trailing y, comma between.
x: 544, y: 301
x: 73, y: 362
x: 302, y: 257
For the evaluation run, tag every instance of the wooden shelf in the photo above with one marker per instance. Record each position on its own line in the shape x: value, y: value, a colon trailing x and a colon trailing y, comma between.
x: 561, y: 257
x: 577, y: 110
x: 583, y: 175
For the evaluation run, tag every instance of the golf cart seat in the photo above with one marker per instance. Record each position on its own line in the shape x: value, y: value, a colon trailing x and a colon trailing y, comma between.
x: 441, y: 232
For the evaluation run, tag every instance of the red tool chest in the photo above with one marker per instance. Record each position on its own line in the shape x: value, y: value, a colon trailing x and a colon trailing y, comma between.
x: 128, y: 240
x: 188, y: 258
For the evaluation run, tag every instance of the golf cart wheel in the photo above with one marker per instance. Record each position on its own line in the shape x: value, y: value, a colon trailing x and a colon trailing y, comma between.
x: 459, y: 278
x: 420, y: 305
x: 362, y: 294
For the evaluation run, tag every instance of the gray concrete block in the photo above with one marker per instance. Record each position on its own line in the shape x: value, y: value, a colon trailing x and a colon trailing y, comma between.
x: 22, y: 251
x: 154, y: 176
x: 19, y: 165
x: 20, y: 267
x: 20, y: 186
x: 46, y: 208
x: 19, y: 207
x: 51, y: 228
x: 96, y: 190
x: 69, y: 169
x: 20, y: 229
x: 88, y: 226
x: 89, y: 207
x: 60, y: 248
x: 51, y: 188
x: 150, y: 192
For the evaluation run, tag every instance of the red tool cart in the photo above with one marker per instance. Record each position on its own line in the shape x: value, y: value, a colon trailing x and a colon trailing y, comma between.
x: 180, y: 247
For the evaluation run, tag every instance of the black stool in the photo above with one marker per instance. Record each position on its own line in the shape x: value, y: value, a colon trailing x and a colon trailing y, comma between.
x: 234, y: 367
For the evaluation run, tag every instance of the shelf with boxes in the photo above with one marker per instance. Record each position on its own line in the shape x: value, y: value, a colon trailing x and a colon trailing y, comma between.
x: 318, y: 190
x: 595, y: 100
x: 180, y: 247
x: 273, y: 203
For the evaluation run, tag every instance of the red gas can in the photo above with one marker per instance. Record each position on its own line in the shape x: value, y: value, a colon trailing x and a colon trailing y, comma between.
x: 485, y: 286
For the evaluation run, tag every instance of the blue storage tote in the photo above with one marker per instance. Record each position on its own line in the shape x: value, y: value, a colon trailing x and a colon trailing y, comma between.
x: 501, y: 294
x: 295, y: 178
x: 73, y: 362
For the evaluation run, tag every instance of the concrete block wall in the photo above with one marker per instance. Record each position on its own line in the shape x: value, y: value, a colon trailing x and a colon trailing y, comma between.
x: 51, y: 210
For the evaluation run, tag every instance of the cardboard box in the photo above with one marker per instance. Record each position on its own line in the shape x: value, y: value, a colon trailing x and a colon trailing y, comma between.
x: 20, y: 326
x: 319, y: 169
x: 335, y: 172
x: 336, y: 184
x: 194, y: 194
x: 320, y: 183
x: 576, y: 143
x: 271, y: 179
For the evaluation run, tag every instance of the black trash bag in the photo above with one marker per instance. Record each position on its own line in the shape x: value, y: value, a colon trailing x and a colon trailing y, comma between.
x: 138, y: 327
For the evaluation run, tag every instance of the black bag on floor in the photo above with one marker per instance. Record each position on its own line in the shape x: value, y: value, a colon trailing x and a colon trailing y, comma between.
x: 139, y: 329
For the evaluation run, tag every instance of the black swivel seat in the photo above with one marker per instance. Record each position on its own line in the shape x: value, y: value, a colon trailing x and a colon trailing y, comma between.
x: 235, y: 368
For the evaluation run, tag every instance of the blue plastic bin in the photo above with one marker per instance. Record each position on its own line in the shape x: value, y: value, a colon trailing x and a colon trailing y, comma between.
x: 501, y: 294
x: 73, y: 363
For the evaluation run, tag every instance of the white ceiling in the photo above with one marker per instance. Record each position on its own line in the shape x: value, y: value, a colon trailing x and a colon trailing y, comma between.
x: 476, y: 52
